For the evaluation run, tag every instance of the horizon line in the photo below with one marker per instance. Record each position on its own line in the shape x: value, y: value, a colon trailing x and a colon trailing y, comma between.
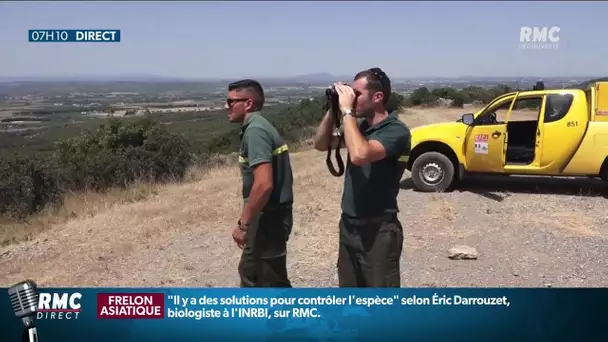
x: 320, y: 76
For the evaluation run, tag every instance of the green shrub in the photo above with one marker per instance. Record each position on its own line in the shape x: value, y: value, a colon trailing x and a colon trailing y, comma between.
x: 120, y: 152
x: 424, y: 96
x: 26, y: 186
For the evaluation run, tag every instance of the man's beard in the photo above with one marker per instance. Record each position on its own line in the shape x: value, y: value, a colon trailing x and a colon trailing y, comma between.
x: 365, y: 113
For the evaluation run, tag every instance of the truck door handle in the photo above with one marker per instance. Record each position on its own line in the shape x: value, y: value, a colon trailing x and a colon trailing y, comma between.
x: 496, y: 134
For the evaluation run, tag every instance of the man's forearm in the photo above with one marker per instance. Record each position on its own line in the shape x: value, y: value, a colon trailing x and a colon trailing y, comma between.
x: 259, y: 196
x: 324, y: 132
x: 356, y: 144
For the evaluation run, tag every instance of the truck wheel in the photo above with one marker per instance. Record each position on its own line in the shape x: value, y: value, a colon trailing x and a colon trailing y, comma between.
x: 432, y: 172
x: 604, y: 170
x: 604, y: 175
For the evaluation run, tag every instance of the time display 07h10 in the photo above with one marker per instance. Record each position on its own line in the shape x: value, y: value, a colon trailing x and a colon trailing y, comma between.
x: 73, y: 36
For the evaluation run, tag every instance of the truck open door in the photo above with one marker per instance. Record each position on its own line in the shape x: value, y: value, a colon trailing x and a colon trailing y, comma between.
x: 485, y: 145
x: 525, y: 133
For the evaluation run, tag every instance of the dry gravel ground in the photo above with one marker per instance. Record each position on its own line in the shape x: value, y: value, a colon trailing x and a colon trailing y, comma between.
x: 528, y: 232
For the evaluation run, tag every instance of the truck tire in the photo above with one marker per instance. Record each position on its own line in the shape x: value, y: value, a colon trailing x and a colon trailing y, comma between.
x: 604, y: 170
x: 432, y: 172
x: 604, y: 175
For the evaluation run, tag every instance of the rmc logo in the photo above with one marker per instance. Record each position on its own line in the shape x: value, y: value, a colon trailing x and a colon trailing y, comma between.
x: 58, y: 305
x: 539, y: 37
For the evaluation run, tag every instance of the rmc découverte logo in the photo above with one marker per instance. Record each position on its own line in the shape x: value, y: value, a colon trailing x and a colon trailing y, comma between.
x: 539, y: 38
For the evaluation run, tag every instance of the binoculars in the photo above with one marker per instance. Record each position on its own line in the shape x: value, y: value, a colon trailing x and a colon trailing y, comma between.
x: 332, y: 96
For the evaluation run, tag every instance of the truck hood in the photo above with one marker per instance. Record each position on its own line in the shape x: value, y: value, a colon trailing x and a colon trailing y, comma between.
x: 445, y: 132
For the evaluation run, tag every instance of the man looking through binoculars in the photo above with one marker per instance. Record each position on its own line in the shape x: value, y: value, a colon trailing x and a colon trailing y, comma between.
x: 371, y: 235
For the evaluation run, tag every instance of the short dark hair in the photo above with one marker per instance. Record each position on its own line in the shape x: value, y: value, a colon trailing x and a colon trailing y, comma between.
x: 377, y: 80
x: 252, y: 86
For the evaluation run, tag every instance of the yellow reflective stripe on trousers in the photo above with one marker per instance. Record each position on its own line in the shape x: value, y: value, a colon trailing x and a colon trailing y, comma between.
x: 276, y: 152
x: 404, y: 159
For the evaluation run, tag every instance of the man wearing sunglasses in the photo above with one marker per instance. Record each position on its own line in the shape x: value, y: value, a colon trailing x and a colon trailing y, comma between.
x: 378, y: 145
x: 266, y: 220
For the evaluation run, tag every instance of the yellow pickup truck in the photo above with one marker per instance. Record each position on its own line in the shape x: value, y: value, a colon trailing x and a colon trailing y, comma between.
x: 554, y: 132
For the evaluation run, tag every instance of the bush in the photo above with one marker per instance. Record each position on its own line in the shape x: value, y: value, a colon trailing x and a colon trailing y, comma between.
x: 421, y: 96
x: 115, y: 155
x: 26, y: 186
x: 459, y: 97
x: 395, y: 102
x: 119, y: 153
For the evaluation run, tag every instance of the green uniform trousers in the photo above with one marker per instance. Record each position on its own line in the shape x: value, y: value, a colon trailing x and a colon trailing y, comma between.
x: 264, y: 258
x: 370, y: 252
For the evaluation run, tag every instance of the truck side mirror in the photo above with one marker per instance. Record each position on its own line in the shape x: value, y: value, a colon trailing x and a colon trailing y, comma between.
x: 468, y: 119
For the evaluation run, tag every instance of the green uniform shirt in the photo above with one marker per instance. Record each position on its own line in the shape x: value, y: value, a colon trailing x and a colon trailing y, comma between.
x: 260, y: 143
x: 371, y: 190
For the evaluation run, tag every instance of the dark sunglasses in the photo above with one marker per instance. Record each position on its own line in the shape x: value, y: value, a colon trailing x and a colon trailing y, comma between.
x: 230, y: 102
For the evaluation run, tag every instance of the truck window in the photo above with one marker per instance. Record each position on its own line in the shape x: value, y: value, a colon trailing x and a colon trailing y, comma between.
x: 557, y: 106
x: 526, y: 109
x: 500, y: 114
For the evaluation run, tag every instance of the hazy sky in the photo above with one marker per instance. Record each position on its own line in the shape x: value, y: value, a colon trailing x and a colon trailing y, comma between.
x: 238, y: 39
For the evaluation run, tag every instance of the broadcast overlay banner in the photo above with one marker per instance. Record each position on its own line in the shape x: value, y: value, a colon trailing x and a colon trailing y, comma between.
x: 326, y: 314
x: 73, y: 36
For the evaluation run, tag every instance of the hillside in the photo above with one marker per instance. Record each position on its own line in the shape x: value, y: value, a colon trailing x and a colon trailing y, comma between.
x: 528, y: 232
